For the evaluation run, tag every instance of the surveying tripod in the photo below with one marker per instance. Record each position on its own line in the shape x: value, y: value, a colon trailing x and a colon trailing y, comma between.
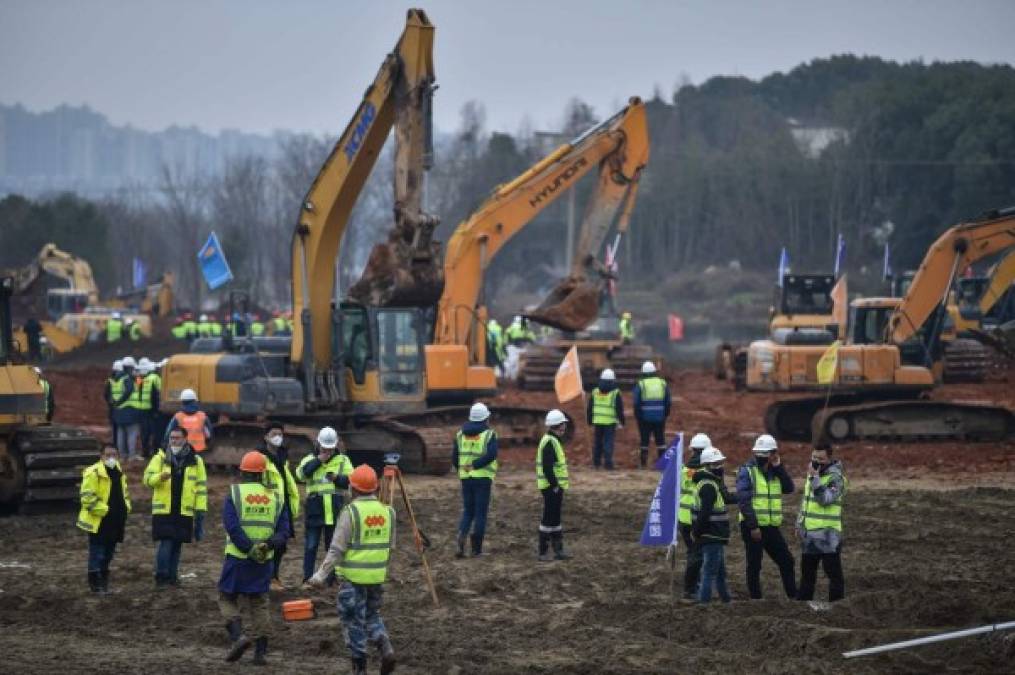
x: 392, y: 476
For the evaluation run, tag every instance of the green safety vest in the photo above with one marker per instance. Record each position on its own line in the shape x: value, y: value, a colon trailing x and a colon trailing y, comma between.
x: 135, y: 400
x: 257, y: 329
x: 45, y: 392
x: 652, y: 389
x: 204, y: 329
x: 216, y: 328
x: 144, y: 392
x: 179, y: 331
x: 767, y: 499
x: 135, y: 331
x: 194, y: 496
x: 258, y: 509
x: 189, y: 328
x: 366, y: 560
x: 686, y: 495
x: 471, y: 448
x: 279, y: 325
x: 604, y: 406
x: 559, y: 464
x: 814, y: 516
x: 114, y: 330
x: 115, y: 389
x: 626, y: 329
x: 318, y: 485
x: 718, y: 519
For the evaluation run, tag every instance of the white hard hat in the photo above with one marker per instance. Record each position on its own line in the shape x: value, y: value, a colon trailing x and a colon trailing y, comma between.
x: 765, y: 445
x: 517, y: 319
x: 701, y: 442
x: 203, y: 317
x: 555, y: 418
x: 116, y: 315
x: 607, y: 374
x: 117, y: 366
x: 479, y: 413
x: 188, y: 395
x: 162, y: 363
x: 327, y: 438
x: 711, y: 456
x: 648, y: 368
x: 129, y: 362
x: 37, y: 369
x: 145, y: 365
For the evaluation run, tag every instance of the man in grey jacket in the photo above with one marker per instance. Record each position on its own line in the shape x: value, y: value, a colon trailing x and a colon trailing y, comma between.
x: 819, y: 525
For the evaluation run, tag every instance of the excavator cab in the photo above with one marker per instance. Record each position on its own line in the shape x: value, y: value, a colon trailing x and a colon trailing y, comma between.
x: 381, y: 351
x: 968, y: 292
x: 60, y: 301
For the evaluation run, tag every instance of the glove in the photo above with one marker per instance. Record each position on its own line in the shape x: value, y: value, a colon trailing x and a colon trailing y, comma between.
x: 199, y: 526
x: 259, y: 552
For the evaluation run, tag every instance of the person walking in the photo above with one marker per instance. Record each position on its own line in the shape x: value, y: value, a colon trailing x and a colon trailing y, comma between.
x: 651, y: 408
x: 105, y: 504
x: 605, y: 412
x: 326, y: 475
x: 279, y: 477
x: 193, y: 421
x: 128, y: 415
x: 761, y: 483
x: 710, y: 528
x: 112, y: 391
x: 819, y: 525
x: 253, y: 517
x: 552, y: 481
x: 692, y: 570
x: 360, y: 553
x: 179, y: 484
x: 474, y: 457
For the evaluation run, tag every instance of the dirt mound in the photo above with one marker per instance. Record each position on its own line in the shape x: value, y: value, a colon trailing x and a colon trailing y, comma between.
x: 103, y: 354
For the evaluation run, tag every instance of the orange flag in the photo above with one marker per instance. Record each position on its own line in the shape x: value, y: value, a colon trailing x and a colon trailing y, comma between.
x: 568, y: 381
x: 840, y: 306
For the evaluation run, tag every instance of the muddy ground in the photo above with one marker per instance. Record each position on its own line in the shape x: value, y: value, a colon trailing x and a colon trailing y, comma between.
x: 928, y: 549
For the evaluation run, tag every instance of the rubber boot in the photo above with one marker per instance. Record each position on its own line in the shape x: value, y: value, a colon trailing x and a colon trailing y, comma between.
x: 558, y: 547
x: 387, y: 656
x: 642, y: 457
x: 359, y: 666
x: 104, y: 582
x: 477, y: 545
x: 261, y: 651
x: 240, y: 641
x: 460, y: 553
x: 94, y: 585
x: 544, y: 547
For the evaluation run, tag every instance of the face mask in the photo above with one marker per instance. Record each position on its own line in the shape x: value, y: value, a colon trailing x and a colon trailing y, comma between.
x: 816, y: 465
x: 718, y: 471
x: 176, y: 449
x: 275, y: 440
x: 109, y: 462
x: 761, y: 461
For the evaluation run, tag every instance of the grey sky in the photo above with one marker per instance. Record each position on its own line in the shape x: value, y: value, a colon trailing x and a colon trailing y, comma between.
x: 303, y: 65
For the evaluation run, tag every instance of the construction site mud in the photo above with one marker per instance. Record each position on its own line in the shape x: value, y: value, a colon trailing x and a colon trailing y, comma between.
x: 927, y: 550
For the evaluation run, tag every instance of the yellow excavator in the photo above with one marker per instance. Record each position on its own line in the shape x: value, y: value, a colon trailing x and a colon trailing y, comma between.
x: 618, y: 147
x: 40, y: 463
x: 357, y: 365
x: 889, y: 362
x: 984, y: 305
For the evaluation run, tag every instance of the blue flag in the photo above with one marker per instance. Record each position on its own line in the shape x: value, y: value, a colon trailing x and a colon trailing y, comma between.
x: 783, y: 265
x: 840, y: 254
x: 886, y: 268
x: 661, y: 523
x: 213, y: 262
x: 140, y: 273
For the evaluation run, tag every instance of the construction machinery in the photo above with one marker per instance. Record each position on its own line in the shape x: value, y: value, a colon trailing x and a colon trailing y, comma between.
x: 984, y: 307
x: 356, y: 365
x: 456, y: 361
x: 40, y: 463
x: 889, y: 361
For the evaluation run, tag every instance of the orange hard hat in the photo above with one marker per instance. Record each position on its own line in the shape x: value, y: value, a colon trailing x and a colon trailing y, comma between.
x: 255, y: 462
x: 363, y: 478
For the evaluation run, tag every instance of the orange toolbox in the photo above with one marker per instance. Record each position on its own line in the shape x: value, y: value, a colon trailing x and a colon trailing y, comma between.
x: 298, y: 610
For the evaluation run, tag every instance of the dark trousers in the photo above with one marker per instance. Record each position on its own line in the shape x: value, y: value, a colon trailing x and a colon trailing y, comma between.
x: 774, y: 545
x: 314, y: 537
x: 276, y: 559
x: 475, y: 505
x: 652, y: 429
x: 602, y: 449
x: 553, y: 503
x: 100, y: 554
x: 167, y: 559
x: 832, y: 564
x: 692, y: 572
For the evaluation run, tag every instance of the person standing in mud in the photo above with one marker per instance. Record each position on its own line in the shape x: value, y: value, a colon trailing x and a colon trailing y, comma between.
x: 105, y: 503
x: 552, y: 481
x: 692, y: 571
x: 819, y: 525
x: 710, y: 529
x: 474, y: 457
x: 179, y: 484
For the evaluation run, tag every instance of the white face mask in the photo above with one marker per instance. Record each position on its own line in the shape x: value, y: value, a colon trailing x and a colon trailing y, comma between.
x: 110, y: 462
x: 176, y: 449
x: 275, y: 440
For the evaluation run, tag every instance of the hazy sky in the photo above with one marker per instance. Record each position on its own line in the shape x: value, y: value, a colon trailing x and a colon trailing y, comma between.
x: 257, y: 65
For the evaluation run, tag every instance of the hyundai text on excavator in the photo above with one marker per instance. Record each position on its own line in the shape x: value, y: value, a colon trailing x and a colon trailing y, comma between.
x: 889, y: 362
x: 619, y: 147
x: 355, y: 365
x: 40, y: 463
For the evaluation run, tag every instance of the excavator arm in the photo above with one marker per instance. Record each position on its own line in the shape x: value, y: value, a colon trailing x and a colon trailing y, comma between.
x: 62, y: 265
x: 1001, y: 279
x: 619, y: 147
x: 399, y: 96
x: 959, y: 247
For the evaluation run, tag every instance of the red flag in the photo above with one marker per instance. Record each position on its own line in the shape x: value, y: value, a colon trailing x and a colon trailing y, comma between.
x: 676, y: 328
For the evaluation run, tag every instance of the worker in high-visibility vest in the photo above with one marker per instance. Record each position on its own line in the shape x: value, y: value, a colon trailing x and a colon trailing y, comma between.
x: 279, y: 477
x: 193, y: 421
x: 105, y: 503
x: 819, y: 525
x: 133, y: 330
x: 360, y: 554
x: 149, y: 396
x: 47, y: 393
x: 626, y: 328
x: 651, y: 408
x: 710, y: 525
x: 255, y: 528
x: 326, y: 474
x: 605, y: 412
x: 474, y: 457
x: 114, y: 328
x: 111, y: 392
x: 692, y: 570
x: 553, y: 481
x: 127, y: 414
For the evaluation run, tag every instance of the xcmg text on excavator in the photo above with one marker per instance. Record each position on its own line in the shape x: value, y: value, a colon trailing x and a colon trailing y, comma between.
x: 355, y: 365
x: 889, y: 362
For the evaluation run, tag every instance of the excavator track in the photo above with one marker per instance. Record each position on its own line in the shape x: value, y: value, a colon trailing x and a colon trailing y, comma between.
x: 911, y: 421
x: 965, y: 360
x: 49, y: 460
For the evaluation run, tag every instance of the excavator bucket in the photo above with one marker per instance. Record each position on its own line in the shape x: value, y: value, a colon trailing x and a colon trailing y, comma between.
x: 572, y: 306
x: 399, y: 275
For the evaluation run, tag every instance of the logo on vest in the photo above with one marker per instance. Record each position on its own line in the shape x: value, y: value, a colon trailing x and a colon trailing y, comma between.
x: 258, y: 499
x: 375, y: 521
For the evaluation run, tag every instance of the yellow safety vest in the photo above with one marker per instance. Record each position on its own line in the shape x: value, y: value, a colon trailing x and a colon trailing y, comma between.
x: 814, y: 516
x: 95, y: 488
x: 194, y: 496
x: 471, y: 448
x: 318, y: 483
x: 559, y: 465
x: 686, y: 495
x: 652, y: 389
x: 258, y: 509
x: 216, y: 328
x: 114, y: 330
x: 115, y: 389
x: 718, y: 519
x: 366, y: 560
x: 256, y: 329
x: 179, y: 331
x: 135, y: 331
x: 604, y: 406
x: 273, y: 479
x: 626, y: 329
x: 767, y: 499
